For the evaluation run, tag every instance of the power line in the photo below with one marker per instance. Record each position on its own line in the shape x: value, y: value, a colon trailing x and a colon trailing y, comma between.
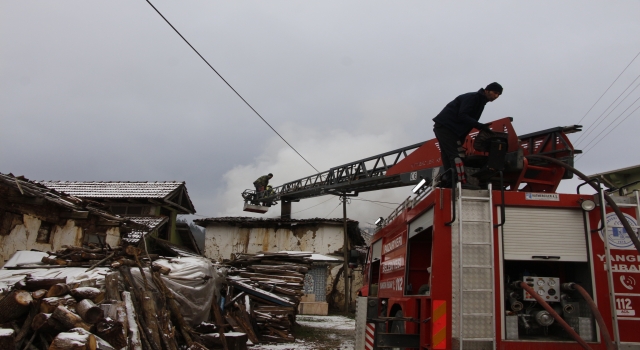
x: 605, y: 91
x: 333, y: 210
x: 613, y: 121
x: 229, y: 85
x: 376, y: 203
x: 603, y: 137
x: 585, y: 134
x: 300, y: 211
x: 366, y: 200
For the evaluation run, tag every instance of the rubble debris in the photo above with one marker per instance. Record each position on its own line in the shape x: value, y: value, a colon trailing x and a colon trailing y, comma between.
x: 141, y: 301
x: 265, y: 290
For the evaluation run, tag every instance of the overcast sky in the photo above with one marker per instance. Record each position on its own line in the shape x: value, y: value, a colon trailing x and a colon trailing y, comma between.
x: 105, y: 90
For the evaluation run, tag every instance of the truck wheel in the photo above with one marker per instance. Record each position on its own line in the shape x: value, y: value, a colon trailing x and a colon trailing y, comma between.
x: 398, y: 326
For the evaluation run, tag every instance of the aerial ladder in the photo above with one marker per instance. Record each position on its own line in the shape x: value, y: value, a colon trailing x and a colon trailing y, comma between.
x: 408, y: 166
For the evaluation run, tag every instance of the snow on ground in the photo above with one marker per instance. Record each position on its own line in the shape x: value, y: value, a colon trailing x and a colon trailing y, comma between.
x: 333, y: 322
x: 344, y: 329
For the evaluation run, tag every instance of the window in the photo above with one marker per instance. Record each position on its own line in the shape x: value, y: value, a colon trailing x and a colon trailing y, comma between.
x: 44, y: 232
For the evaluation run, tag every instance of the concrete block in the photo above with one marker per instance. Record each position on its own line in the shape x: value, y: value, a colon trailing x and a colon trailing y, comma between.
x: 308, y: 298
x: 320, y: 308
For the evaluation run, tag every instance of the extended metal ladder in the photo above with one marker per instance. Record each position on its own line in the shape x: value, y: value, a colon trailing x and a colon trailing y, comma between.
x: 473, y: 285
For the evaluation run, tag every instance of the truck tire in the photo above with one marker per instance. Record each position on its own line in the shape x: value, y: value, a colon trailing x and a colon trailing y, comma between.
x: 398, y: 326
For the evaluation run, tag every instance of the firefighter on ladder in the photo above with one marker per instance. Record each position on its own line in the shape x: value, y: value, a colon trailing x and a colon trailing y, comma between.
x: 262, y: 182
x: 454, y: 123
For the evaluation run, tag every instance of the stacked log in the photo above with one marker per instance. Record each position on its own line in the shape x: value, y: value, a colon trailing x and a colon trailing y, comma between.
x: 49, y: 313
x: 94, y: 256
x: 259, y: 305
x: 263, y: 294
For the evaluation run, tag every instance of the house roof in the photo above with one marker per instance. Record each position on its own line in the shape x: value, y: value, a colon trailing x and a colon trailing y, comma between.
x: 31, y: 189
x: 628, y: 170
x: 625, y: 177
x: 114, y: 189
x: 152, y: 222
x: 243, y: 221
x: 170, y: 193
x: 267, y: 221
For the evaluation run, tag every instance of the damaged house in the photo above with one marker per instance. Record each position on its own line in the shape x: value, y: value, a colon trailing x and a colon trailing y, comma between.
x: 33, y: 216
x: 226, y: 236
x: 153, y: 204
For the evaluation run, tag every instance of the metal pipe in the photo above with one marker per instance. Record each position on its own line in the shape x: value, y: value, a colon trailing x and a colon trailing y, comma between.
x: 594, y: 308
x: 453, y: 198
x: 345, y: 247
x: 502, y: 205
x: 555, y: 315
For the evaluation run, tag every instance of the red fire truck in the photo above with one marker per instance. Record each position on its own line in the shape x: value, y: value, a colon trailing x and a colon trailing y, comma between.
x: 513, y: 265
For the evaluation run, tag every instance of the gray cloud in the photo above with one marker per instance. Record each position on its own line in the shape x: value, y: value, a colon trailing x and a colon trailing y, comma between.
x: 107, y: 91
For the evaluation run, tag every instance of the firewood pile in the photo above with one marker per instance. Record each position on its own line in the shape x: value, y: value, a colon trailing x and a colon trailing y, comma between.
x: 125, y: 312
x: 93, y: 256
x: 264, y: 290
x: 48, y: 313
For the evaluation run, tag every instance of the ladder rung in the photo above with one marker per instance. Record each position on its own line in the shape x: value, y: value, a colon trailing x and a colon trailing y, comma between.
x: 476, y: 243
x: 477, y: 339
x: 484, y: 199
x: 477, y: 290
x: 535, y: 167
x: 540, y: 182
x: 478, y: 266
x: 485, y: 221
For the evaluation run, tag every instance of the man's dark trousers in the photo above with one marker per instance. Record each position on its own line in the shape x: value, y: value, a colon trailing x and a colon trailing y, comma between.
x: 448, y: 142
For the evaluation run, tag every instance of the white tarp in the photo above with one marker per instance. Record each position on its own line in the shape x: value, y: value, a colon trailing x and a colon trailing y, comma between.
x: 195, y: 281
x: 25, y: 262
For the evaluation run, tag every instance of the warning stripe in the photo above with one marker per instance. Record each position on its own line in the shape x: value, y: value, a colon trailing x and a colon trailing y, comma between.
x: 439, y: 330
x: 369, y: 336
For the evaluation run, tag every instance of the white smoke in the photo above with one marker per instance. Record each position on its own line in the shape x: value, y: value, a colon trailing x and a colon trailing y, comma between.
x: 324, y: 150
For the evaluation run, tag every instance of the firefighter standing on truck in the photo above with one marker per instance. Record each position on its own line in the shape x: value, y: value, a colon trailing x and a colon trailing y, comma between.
x: 262, y: 182
x: 455, y: 122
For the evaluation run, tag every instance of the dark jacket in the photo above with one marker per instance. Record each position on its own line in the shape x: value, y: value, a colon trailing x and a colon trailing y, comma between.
x: 462, y: 114
x: 262, y: 181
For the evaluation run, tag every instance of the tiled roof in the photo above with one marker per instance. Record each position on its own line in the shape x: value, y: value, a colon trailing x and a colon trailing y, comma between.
x: 151, y: 222
x: 30, y: 188
x: 114, y: 189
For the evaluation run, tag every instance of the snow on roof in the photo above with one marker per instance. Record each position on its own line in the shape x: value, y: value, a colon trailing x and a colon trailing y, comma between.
x: 252, y: 220
x: 24, y: 262
x: 314, y: 256
x: 114, y: 189
x: 152, y: 222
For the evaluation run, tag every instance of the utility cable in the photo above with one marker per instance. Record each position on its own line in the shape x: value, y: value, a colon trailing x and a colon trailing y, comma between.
x: 605, y: 91
x: 326, y: 216
x: 367, y: 200
x: 300, y: 211
x: 603, y: 137
x: 613, y: 121
x: 376, y: 203
x: 592, y: 127
x: 229, y: 85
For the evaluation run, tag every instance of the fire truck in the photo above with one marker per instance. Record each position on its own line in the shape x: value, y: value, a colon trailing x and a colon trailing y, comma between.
x: 512, y: 265
x: 504, y: 263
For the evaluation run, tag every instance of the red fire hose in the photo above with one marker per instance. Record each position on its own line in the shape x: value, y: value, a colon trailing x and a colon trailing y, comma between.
x: 555, y: 315
x: 594, y: 308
